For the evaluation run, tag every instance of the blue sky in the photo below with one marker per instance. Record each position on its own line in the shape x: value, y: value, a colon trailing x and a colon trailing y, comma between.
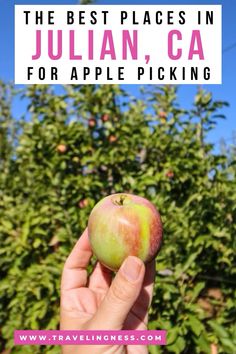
x: 225, y: 92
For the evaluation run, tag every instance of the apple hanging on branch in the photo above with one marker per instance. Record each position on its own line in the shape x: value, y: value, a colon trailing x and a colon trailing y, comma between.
x: 123, y: 225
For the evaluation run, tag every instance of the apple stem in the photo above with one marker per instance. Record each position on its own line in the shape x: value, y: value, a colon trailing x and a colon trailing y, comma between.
x: 121, y: 200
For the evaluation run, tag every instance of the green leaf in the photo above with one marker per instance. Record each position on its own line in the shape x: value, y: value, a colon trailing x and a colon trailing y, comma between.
x: 195, y: 325
x: 37, y: 243
x: 197, y: 289
x: 203, y: 343
x: 172, y: 335
x: 178, y: 346
x: 228, y: 345
x: 218, y: 329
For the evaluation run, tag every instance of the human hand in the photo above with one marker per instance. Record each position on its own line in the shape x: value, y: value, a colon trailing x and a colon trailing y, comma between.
x: 100, y: 303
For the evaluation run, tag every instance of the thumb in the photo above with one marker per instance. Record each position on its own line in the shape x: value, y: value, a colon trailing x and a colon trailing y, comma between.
x: 121, y: 296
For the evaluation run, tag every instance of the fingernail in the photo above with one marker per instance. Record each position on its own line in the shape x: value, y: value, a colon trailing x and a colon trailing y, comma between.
x: 131, y: 268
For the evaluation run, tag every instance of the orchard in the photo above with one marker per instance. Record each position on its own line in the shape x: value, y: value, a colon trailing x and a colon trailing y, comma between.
x: 77, y: 144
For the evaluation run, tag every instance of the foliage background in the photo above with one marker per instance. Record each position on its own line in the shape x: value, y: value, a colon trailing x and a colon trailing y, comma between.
x: 71, y: 149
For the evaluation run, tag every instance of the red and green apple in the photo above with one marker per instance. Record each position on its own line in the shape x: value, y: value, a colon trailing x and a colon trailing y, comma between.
x: 122, y: 225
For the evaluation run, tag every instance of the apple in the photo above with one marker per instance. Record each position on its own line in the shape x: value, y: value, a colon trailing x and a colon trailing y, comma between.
x: 61, y: 148
x: 170, y: 174
x: 92, y: 122
x: 112, y: 138
x: 83, y: 203
x: 123, y: 225
x: 105, y: 118
x: 162, y: 114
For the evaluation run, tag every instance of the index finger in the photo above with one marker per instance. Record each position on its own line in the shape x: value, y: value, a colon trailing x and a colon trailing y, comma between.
x: 75, y: 269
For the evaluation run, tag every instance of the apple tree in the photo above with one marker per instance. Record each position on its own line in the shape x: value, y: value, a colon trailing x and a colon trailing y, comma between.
x: 76, y: 144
